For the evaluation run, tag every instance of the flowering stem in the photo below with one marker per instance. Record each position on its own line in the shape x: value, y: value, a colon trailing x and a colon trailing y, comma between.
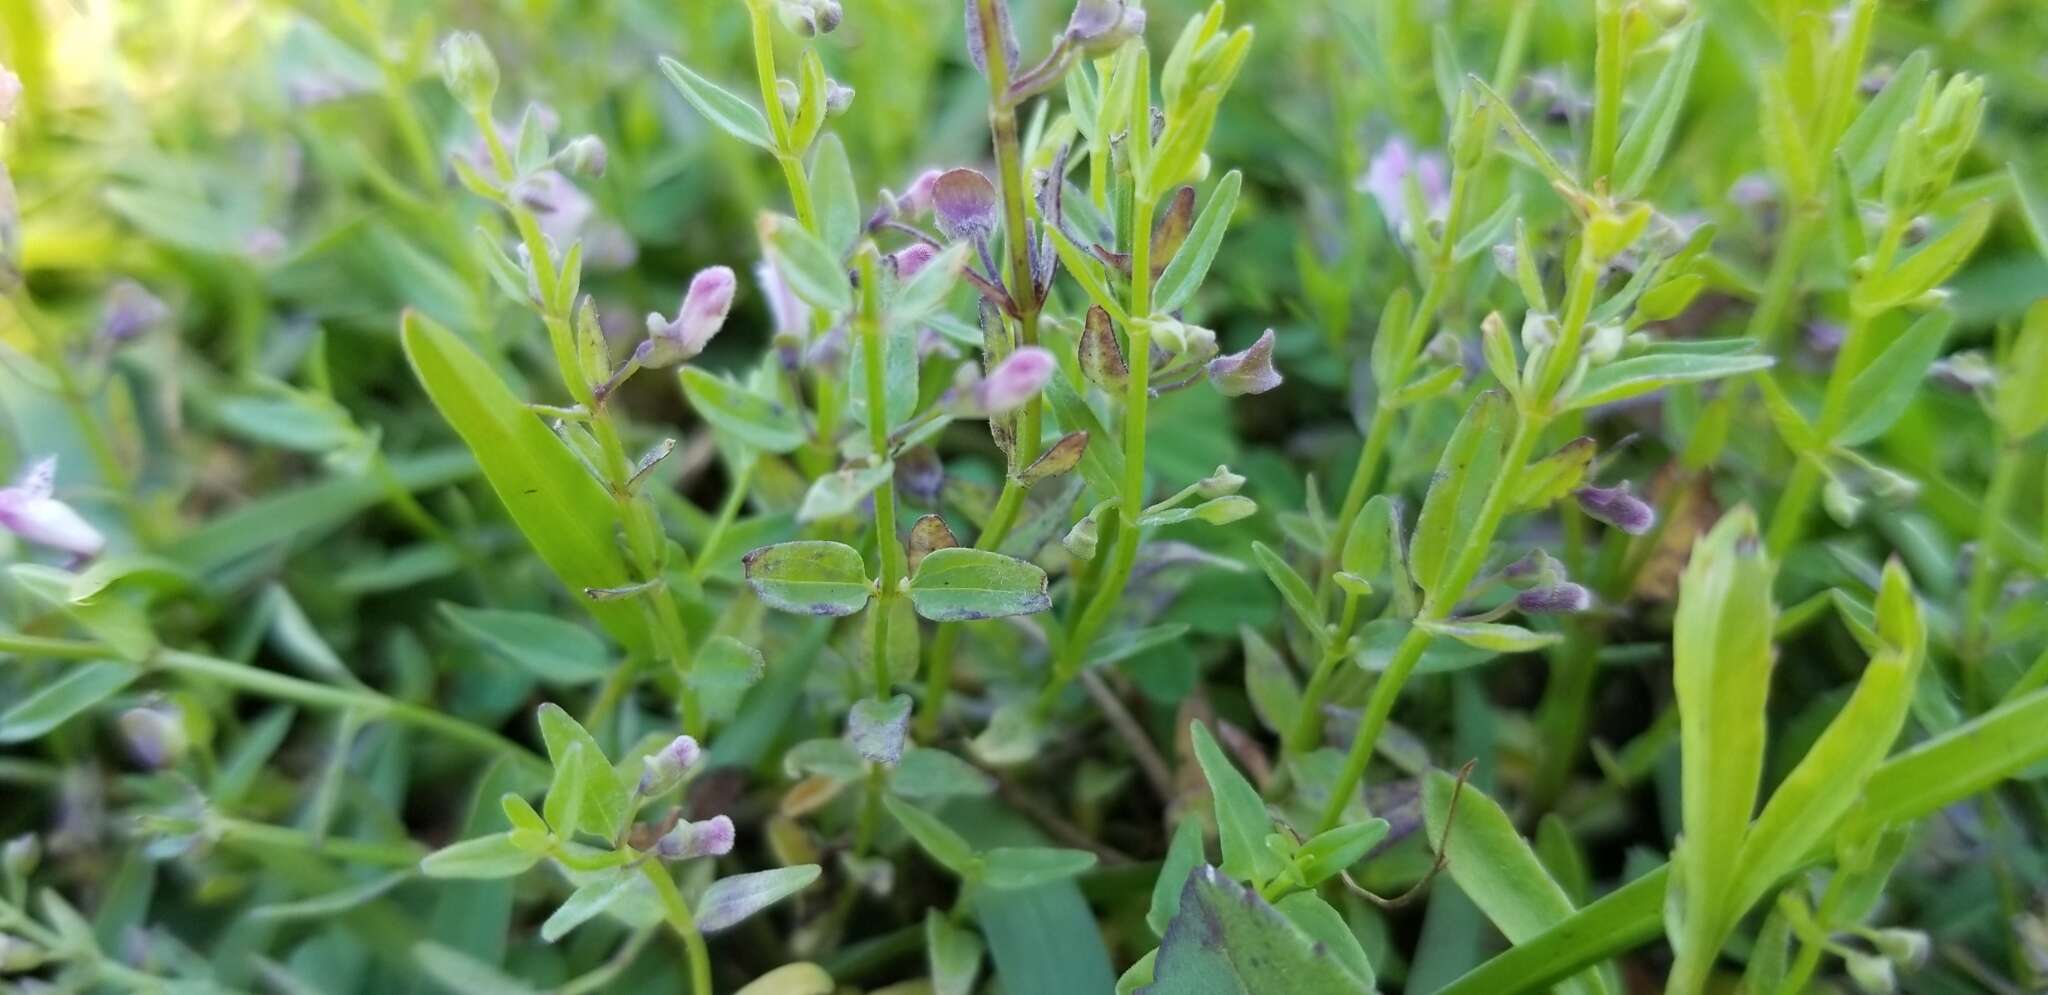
x: 1308, y: 722
x: 868, y: 326
x: 677, y: 912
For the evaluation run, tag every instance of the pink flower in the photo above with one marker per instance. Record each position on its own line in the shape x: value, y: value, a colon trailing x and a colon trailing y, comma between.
x: 1386, y: 179
x: 712, y: 837
x: 1015, y: 381
x: 28, y: 510
x: 702, y: 314
x: 911, y: 259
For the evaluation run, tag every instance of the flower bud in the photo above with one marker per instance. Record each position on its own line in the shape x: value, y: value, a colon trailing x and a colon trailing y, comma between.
x: 916, y: 202
x: 1537, y: 569
x: 1612, y: 229
x: 21, y: 855
x: 29, y: 510
x: 1559, y: 599
x: 1469, y: 128
x: 909, y: 261
x: 1015, y: 381
x: 702, y: 314
x: 1539, y: 331
x: 1080, y: 541
x: 469, y: 70
x: 664, y: 768
x: 1842, y: 502
x: 712, y: 837
x: 878, y: 730
x: 1247, y: 372
x: 585, y: 156
x: 1100, y: 27
x: 810, y: 18
x: 156, y: 734
x: 1606, y: 342
x: 130, y: 311
x: 1872, y: 975
x: 1220, y: 483
x: 1617, y: 507
x: 838, y: 97
x: 1907, y: 948
x: 966, y: 204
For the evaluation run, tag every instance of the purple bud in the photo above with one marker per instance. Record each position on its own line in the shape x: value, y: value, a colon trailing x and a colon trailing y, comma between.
x: 810, y: 17
x: 703, y: 311
x: 585, y: 156
x: 838, y: 97
x: 916, y: 202
x: 29, y: 510
x: 792, y: 316
x: 1561, y: 599
x: 908, y: 261
x: 977, y: 45
x: 712, y: 837
x: 1015, y: 380
x: 1386, y: 179
x: 155, y: 734
x: 1247, y: 372
x: 966, y: 204
x: 558, y: 205
x: 1617, y: 507
x: 1100, y: 26
x: 129, y: 313
x: 659, y: 771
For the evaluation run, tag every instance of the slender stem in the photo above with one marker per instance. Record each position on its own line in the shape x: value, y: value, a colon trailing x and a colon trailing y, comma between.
x: 677, y: 912
x: 1811, y: 947
x: 1609, y: 60
x: 1308, y: 722
x: 1984, y: 573
x: 50, y: 647
x: 868, y: 326
x: 395, y: 854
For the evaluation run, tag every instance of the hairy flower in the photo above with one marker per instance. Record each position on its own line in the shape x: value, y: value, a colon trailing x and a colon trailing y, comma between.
x: 1247, y: 372
x: 702, y: 314
x: 1387, y: 176
x: 1558, y: 599
x: 966, y: 205
x: 155, y: 733
x: 29, y: 510
x: 129, y: 312
x: 1099, y: 27
x: 1617, y: 507
x: 662, y: 769
x: 1014, y: 381
x: 712, y: 837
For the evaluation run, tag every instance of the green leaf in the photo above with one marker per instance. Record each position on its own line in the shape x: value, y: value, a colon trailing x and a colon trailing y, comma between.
x: 1495, y: 866
x: 1184, y: 273
x: 1486, y: 234
x: 1328, y: 854
x: 493, y: 856
x: 734, y: 116
x: 927, y: 290
x: 734, y: 898
x: 963, y: 584
x: 1493, y: 636
x: 563, y: 806
x: 1642, y: 147
x: 841, y: 491
x: 462, y: 974
x: 1293, y: 589
x: 1927, y: 268
x: 549, y: 648
x: 732, y: 409
x: 1275, y: 694
x: 588, y: 901
x: 2019, y: 404
x: 937, y: 839
x: 925, y: 772
x: 1629, y: 916
x: 1010, y: 867
x: 838, y: 205
x: 1882, y: 390
x: 1722, y: 655
x: 1183, y: 856
x: 809, y: 577
x: 953, y: 955
x: 1463, y: 474
x: 721, y: 672
x: 606, y: 804
x: 1865, y: 141
x: 1226, y: 940
x: 1551, y: 478
x: 1326, y: 926
x: 51, y: 705
x: 332, y: 903
x: 812, y: 271
x: 118, y: 622
x: 562, y: 511
x: 1639, y: 375
x: 1241, y: 819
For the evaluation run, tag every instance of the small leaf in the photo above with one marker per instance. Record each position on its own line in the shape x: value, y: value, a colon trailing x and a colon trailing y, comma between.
x: 54, y: 703
x: 963, y: 584
x: 733, y: 410
x: 877, y: 729
x: 1011, y: 867
x: 952, y: 953
x: 734, y: 898
x: 462, y: 974
x: 811, y: 270
x: 838, y: 205
x: 1183, y: 856
x: 801, y: 978
x: 1549, y: 479
x: 734, y: 116
x: 841, y: 491
x: 1328, y: 854
x: 1882, y: 390
x: 493, y: 856
x: 1642, y: 147
x: 549, y: 648
x: 1190, y: 266
x: 1241, y: 819
x: 2020, y: 404
x: 1275, y: 694
x: 1056, y: 461
x: 1927, y: 268
x: 809, y: 577
x: 1226, y: 940
x: 925, y: 772
x: 1492, y: 635
x: 1325, y: 925
x: 1293, y: 589
x: 589, y: 900
x: 1466, y: 468
x: 605, y: 805
x: 937, y: 839
x: 721, y: 672
x: 1638, y: 375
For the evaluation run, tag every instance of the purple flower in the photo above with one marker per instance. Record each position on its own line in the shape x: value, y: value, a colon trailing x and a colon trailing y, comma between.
x: 712, y: 837
x: 659, y: 771
x: 908, y: 261
x: 558, y: 205
x: 1386, y: 179
x: 155, y: 734
x: 966, y: 204
x: 1015, y: 381
x: 1247, y: 372
x: 1559, y: 599
x: 792, y: 316
x: 1100, y: 26
x: 1617, y: 507
x: 28, y: 510
x: 916, y: 202
x: 129, y: 313
x: 702, y: 314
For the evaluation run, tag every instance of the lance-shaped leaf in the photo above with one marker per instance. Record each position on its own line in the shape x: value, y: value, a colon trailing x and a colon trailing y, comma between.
x: 1492, y: 635
x: 1060, y: 459
x: 1551, y: 478
x: 1882, y: 390
x: 1011, y: 867
x: 953, y: 955
x: 555, y: 650
x: 1241, y: 819
x: 732, y: 899
x: 927, y: 536
x: 808, y: 576
x: 732, y: 409
x: 1928, y: 267
x: 588, y: 901
x: 493, y: 856
x: 1294, y: 589
x: 1190, y: 265
x: 1463, y: 474
x: 1269, y: 682
x: 54, y: 703
x: 811, y: 270
x: 937, y: 839
x: 1639, y: 375
x: 2020, y: 404
x: 1226, y: 940
x: 841, y: 491
x: 605, y: 803
x: 731, y: 114
x: 963, y: 584
x: 557, y: 505
x: 1642, y: 147
x: 1172, y: 227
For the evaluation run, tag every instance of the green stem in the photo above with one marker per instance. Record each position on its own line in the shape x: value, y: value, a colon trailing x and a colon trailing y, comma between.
x: 868, y: 325
x: 1811, y: 947
x: 677, y: 912
x: 400, y: 854
x: 1308, y: 722
x: 1984, y: 574
x: 1609, y: 60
